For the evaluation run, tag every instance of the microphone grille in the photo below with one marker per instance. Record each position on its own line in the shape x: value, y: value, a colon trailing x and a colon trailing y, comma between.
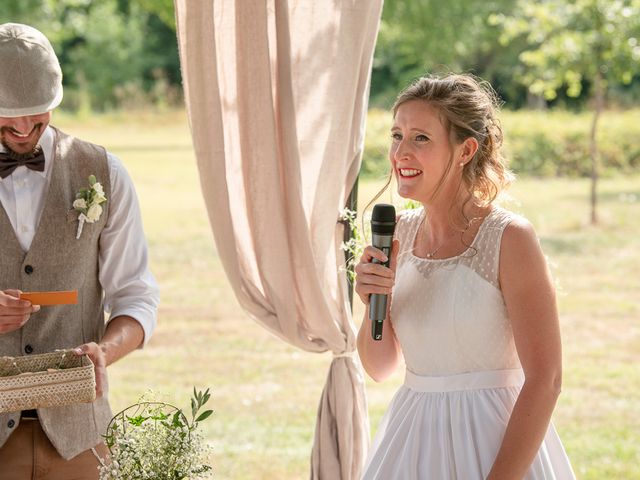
x: 383, y: 219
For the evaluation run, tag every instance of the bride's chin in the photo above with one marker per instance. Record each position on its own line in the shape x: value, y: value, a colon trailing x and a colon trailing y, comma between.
x: 406, y: 193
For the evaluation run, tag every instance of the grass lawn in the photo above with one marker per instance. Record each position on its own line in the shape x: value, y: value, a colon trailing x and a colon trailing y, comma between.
x: 265, y: 393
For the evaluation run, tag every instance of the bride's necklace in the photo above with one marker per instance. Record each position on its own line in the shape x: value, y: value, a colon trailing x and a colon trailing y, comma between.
x: 432, y: 253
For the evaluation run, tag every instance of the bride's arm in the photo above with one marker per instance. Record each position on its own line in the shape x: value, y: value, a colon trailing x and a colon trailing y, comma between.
x: 531, y: 305
x: 379, y: 358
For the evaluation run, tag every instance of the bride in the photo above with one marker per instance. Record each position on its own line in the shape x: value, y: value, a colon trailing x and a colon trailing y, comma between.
x: 472, y: 312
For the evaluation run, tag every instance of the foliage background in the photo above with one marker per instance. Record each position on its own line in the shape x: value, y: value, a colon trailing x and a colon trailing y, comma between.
x: 113, y: 50
x: 115, y: 53
x: 538, y: 143
x: 122, y: 54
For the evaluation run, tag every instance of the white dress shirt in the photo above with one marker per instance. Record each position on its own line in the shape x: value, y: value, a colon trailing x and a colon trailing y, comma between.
x: 129, y: 286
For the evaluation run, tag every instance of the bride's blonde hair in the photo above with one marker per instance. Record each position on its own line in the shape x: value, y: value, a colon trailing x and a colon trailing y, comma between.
x: 469, y: 108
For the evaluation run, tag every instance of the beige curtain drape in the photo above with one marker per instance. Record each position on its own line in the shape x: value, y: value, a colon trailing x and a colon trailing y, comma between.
x: 276, y: 94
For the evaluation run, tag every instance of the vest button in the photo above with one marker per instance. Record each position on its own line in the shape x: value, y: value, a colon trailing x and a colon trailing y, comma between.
x: 11, y: 423
x: 28, y: 349
x: 28, y: 269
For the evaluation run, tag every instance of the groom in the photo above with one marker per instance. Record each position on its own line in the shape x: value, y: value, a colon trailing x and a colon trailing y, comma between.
x: 41, y: 170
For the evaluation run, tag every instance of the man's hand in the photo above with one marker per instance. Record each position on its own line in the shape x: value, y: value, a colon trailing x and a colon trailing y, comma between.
x: 123, y: 335
x: 14, y: 312
x: 99, y: 359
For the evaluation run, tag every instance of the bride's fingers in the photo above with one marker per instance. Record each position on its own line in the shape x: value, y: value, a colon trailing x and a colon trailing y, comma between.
x: 370, y: 252
x: 374, y: 269
x: 386, y: 280
x: 368, y: 285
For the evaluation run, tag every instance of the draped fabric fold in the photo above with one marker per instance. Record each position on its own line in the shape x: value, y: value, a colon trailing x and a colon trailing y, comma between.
x: 276, y: 96
x: 338, y: 427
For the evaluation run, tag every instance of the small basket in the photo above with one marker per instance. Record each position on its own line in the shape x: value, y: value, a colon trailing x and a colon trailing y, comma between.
x: 47, y: 380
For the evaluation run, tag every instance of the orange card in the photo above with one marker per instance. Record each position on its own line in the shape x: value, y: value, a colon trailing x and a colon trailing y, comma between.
x: 69, y: 297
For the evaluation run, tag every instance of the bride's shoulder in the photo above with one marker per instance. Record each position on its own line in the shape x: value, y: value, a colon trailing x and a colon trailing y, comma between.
x: 519, y: 241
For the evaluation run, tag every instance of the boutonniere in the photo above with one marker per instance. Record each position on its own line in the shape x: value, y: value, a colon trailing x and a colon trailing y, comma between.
x: 87, y: 203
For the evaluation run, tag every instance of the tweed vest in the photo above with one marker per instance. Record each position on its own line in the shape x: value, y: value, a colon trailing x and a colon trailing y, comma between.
x: 57, y: 260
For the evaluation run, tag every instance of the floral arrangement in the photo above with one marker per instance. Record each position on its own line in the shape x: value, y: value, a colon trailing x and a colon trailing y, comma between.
x: 88, y: 203
x: 155, y: 441
x: 354, y: 247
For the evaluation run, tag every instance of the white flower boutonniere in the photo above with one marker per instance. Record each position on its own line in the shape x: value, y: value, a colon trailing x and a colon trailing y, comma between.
x: 88, y: 202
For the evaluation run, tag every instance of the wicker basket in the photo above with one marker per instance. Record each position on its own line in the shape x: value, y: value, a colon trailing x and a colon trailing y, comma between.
x: 47, y: 380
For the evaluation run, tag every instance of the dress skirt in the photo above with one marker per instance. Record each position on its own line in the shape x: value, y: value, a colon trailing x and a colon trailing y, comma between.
x: 451, y: 428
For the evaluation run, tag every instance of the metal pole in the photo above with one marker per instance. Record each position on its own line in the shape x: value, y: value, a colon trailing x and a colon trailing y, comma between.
x: 352, y: 204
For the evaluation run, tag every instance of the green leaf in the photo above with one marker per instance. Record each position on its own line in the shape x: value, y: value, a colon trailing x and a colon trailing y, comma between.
x: 177, y: 418
x: 204, y: 415
x: 137, y: 420
x: 92, y: 180
x: 160, y: 416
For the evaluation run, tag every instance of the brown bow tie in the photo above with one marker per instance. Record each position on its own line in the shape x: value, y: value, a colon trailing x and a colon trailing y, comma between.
x: 10, y: 161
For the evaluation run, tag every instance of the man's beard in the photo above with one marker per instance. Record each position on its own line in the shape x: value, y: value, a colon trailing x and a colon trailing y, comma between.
x: 15, y: 155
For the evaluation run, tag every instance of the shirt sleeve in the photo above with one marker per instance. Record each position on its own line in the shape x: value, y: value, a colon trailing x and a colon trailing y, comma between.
x: 130, y: 288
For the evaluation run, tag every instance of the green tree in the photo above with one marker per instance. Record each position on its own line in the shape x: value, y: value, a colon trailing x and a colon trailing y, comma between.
x: 164, y: 9
x: 573, y: 45
x: 421, y: 36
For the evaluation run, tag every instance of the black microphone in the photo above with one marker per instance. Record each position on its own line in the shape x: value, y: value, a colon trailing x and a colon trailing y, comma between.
x: 383, y: 224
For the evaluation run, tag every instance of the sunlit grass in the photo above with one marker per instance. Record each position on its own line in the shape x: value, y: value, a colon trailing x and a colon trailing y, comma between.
x: 265, y: 393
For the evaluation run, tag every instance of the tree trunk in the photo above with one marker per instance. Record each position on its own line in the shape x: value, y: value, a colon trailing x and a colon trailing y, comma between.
x: 598, y: 94
x: 535, y: 101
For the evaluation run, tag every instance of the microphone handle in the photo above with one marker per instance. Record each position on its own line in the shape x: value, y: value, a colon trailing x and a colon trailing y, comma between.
x: 378, y: 302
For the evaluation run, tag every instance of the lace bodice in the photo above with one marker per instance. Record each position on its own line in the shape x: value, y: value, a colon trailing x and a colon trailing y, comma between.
x: 449, y: 314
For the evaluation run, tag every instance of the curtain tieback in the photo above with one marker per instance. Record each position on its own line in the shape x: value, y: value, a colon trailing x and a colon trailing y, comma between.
x: 345, y: 354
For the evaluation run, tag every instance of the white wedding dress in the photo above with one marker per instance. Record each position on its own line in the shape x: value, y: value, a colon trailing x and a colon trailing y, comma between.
x: 463, y: 374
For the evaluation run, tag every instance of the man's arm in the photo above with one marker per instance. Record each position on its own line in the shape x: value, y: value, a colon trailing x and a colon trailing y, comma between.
x: 130, y: 289
x: 131, y: 292
x: 122, y: 336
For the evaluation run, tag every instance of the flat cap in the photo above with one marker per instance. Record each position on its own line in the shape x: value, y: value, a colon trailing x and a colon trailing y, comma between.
x: 30, y: 74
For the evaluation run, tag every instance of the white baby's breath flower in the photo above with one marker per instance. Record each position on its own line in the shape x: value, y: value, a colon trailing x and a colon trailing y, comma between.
x: 157, y: 446
x: 79, y: 204
x: 87, y: 203
x: 94, y: 212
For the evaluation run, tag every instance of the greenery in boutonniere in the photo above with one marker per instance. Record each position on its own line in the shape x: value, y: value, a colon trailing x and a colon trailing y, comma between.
x: 88, y: 203
x: 156, y: 441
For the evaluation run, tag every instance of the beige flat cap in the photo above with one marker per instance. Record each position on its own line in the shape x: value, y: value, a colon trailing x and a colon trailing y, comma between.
x: 30, y: 74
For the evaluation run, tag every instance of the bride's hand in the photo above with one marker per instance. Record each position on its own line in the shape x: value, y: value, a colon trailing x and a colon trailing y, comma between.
x: 373, y: 277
